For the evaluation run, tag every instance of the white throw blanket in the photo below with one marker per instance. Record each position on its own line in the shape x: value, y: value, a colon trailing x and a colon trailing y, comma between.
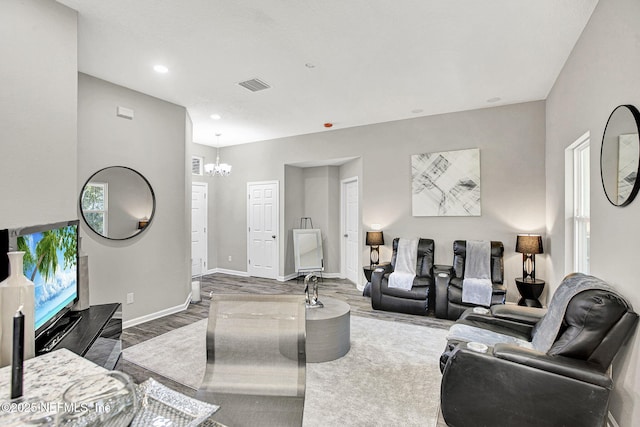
x: 476, y: 285
x: 405, y: 268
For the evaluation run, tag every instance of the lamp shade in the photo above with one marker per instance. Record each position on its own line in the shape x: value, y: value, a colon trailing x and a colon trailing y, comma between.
x: 529, y: 244
x: 374, y: 238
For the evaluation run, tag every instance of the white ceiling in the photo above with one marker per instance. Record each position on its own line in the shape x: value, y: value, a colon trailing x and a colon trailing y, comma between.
x: 373, y: 60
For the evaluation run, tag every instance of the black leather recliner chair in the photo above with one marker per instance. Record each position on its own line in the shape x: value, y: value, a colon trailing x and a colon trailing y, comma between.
x: 420, y: 297
x: 448, y: 298
x: 510, y: 385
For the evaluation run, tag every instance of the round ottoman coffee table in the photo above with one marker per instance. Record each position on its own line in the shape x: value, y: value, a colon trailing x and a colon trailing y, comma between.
x: 328, y: 330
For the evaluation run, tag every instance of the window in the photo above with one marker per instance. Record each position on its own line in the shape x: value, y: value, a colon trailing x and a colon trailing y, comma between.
x: 196, y: 165
x: 94, y: 206
x: 578, y: 196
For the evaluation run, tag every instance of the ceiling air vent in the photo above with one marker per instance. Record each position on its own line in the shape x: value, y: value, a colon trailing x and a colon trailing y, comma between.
x: 254, y: 85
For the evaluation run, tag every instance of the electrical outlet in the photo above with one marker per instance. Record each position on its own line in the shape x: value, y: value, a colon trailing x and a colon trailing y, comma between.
x: 229, y: 258
x: 130, y: 298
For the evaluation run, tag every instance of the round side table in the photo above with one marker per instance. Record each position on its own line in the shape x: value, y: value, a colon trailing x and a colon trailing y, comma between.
x: 530, y: 291
x: 328, y: 330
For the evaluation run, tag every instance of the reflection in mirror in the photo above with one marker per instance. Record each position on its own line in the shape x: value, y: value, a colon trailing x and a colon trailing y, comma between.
x: 620, y: 155
x: 307, y: 250
x: 117, y: 202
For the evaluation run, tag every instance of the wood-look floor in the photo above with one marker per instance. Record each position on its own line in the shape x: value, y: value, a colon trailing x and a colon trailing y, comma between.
x: 222, y: 283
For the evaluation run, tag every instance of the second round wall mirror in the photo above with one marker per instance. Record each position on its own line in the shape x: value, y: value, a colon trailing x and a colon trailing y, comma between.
x: 620, y: 155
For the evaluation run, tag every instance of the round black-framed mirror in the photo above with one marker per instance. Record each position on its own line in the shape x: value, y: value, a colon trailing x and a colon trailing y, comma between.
x: 117, y: 203
x: 620, y: 155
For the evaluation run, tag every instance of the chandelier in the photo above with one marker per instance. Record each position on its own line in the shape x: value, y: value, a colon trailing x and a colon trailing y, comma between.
x: 222, y: 169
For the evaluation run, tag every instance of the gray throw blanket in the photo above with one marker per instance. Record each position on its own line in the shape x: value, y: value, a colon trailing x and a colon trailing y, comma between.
x: 476, y: 285
x: 547, y: 329
x: 405, y: 268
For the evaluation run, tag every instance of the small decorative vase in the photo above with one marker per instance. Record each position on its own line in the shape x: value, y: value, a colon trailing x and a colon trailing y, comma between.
x: 15, y: 291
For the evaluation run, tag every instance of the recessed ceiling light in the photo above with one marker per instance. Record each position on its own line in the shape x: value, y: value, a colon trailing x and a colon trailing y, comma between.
x: 216, y: 116
x: 160, y: 69
x: 496, y: 99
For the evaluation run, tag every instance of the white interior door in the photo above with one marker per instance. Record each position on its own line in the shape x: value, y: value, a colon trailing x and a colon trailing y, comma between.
x: 262, y: 220
x: 198, y: 228
x: 350, y: 228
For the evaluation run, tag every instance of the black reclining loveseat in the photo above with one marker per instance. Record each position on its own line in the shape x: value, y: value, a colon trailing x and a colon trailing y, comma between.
x: 524, y: 366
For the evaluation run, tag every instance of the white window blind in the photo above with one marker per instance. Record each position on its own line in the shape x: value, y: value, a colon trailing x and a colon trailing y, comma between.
x: 196, y: 165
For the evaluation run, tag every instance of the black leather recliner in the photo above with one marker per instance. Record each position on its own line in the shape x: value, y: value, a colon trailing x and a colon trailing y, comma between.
x: 510, y: 385
x: 420, y: 297
x: 448, y: 298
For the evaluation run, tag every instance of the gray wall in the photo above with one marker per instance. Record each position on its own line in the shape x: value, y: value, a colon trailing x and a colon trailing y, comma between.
x: 602, y: 72
x: 154, y: 265
x: 293, y: 211
x: 511, y: 141
x: 315, y: 192
x: 322, y: 205
x: 38, y: 111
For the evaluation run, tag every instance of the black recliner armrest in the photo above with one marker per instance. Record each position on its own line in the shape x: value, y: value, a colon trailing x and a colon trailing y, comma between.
x: 376, y: 284
x: 572, y: 368
x: 386, y: 269
x: 442, y: 274
x: 496, y: 324
x: 517, y: 313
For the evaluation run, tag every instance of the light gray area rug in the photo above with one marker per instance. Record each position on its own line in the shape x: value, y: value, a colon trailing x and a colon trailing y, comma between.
x: 389, y: 377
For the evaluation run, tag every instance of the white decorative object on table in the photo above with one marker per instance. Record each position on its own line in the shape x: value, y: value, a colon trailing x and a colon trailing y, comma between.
x: 15, y: 291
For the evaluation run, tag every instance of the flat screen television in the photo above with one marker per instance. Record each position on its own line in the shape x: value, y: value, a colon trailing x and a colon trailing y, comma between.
x: 51, y: 263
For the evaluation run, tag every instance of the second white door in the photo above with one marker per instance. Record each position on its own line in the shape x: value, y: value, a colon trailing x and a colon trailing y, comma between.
x: 198, y: 228
x: 262, y: 237
x: 350, y: 229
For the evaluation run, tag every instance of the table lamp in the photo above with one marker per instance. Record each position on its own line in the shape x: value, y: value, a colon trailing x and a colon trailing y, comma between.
x: 374, y: 239
x: 529, y: 245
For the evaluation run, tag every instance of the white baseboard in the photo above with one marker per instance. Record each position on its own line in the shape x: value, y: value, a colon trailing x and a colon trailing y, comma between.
x: 157, y: 314
x: 221, y: 270
x: 287, y: 277
x: 232, y: 272
x: 611, y: 422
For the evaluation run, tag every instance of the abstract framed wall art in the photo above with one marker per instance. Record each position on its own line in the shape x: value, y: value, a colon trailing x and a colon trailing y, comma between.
x: 446, y: 183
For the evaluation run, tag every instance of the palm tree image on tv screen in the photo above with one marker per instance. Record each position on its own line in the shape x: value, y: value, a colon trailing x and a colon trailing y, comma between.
x: 50, y: 262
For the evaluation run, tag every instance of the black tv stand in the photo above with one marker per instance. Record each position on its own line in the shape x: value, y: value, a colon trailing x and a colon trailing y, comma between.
x: 52, y: 336
x: 93, y: 333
